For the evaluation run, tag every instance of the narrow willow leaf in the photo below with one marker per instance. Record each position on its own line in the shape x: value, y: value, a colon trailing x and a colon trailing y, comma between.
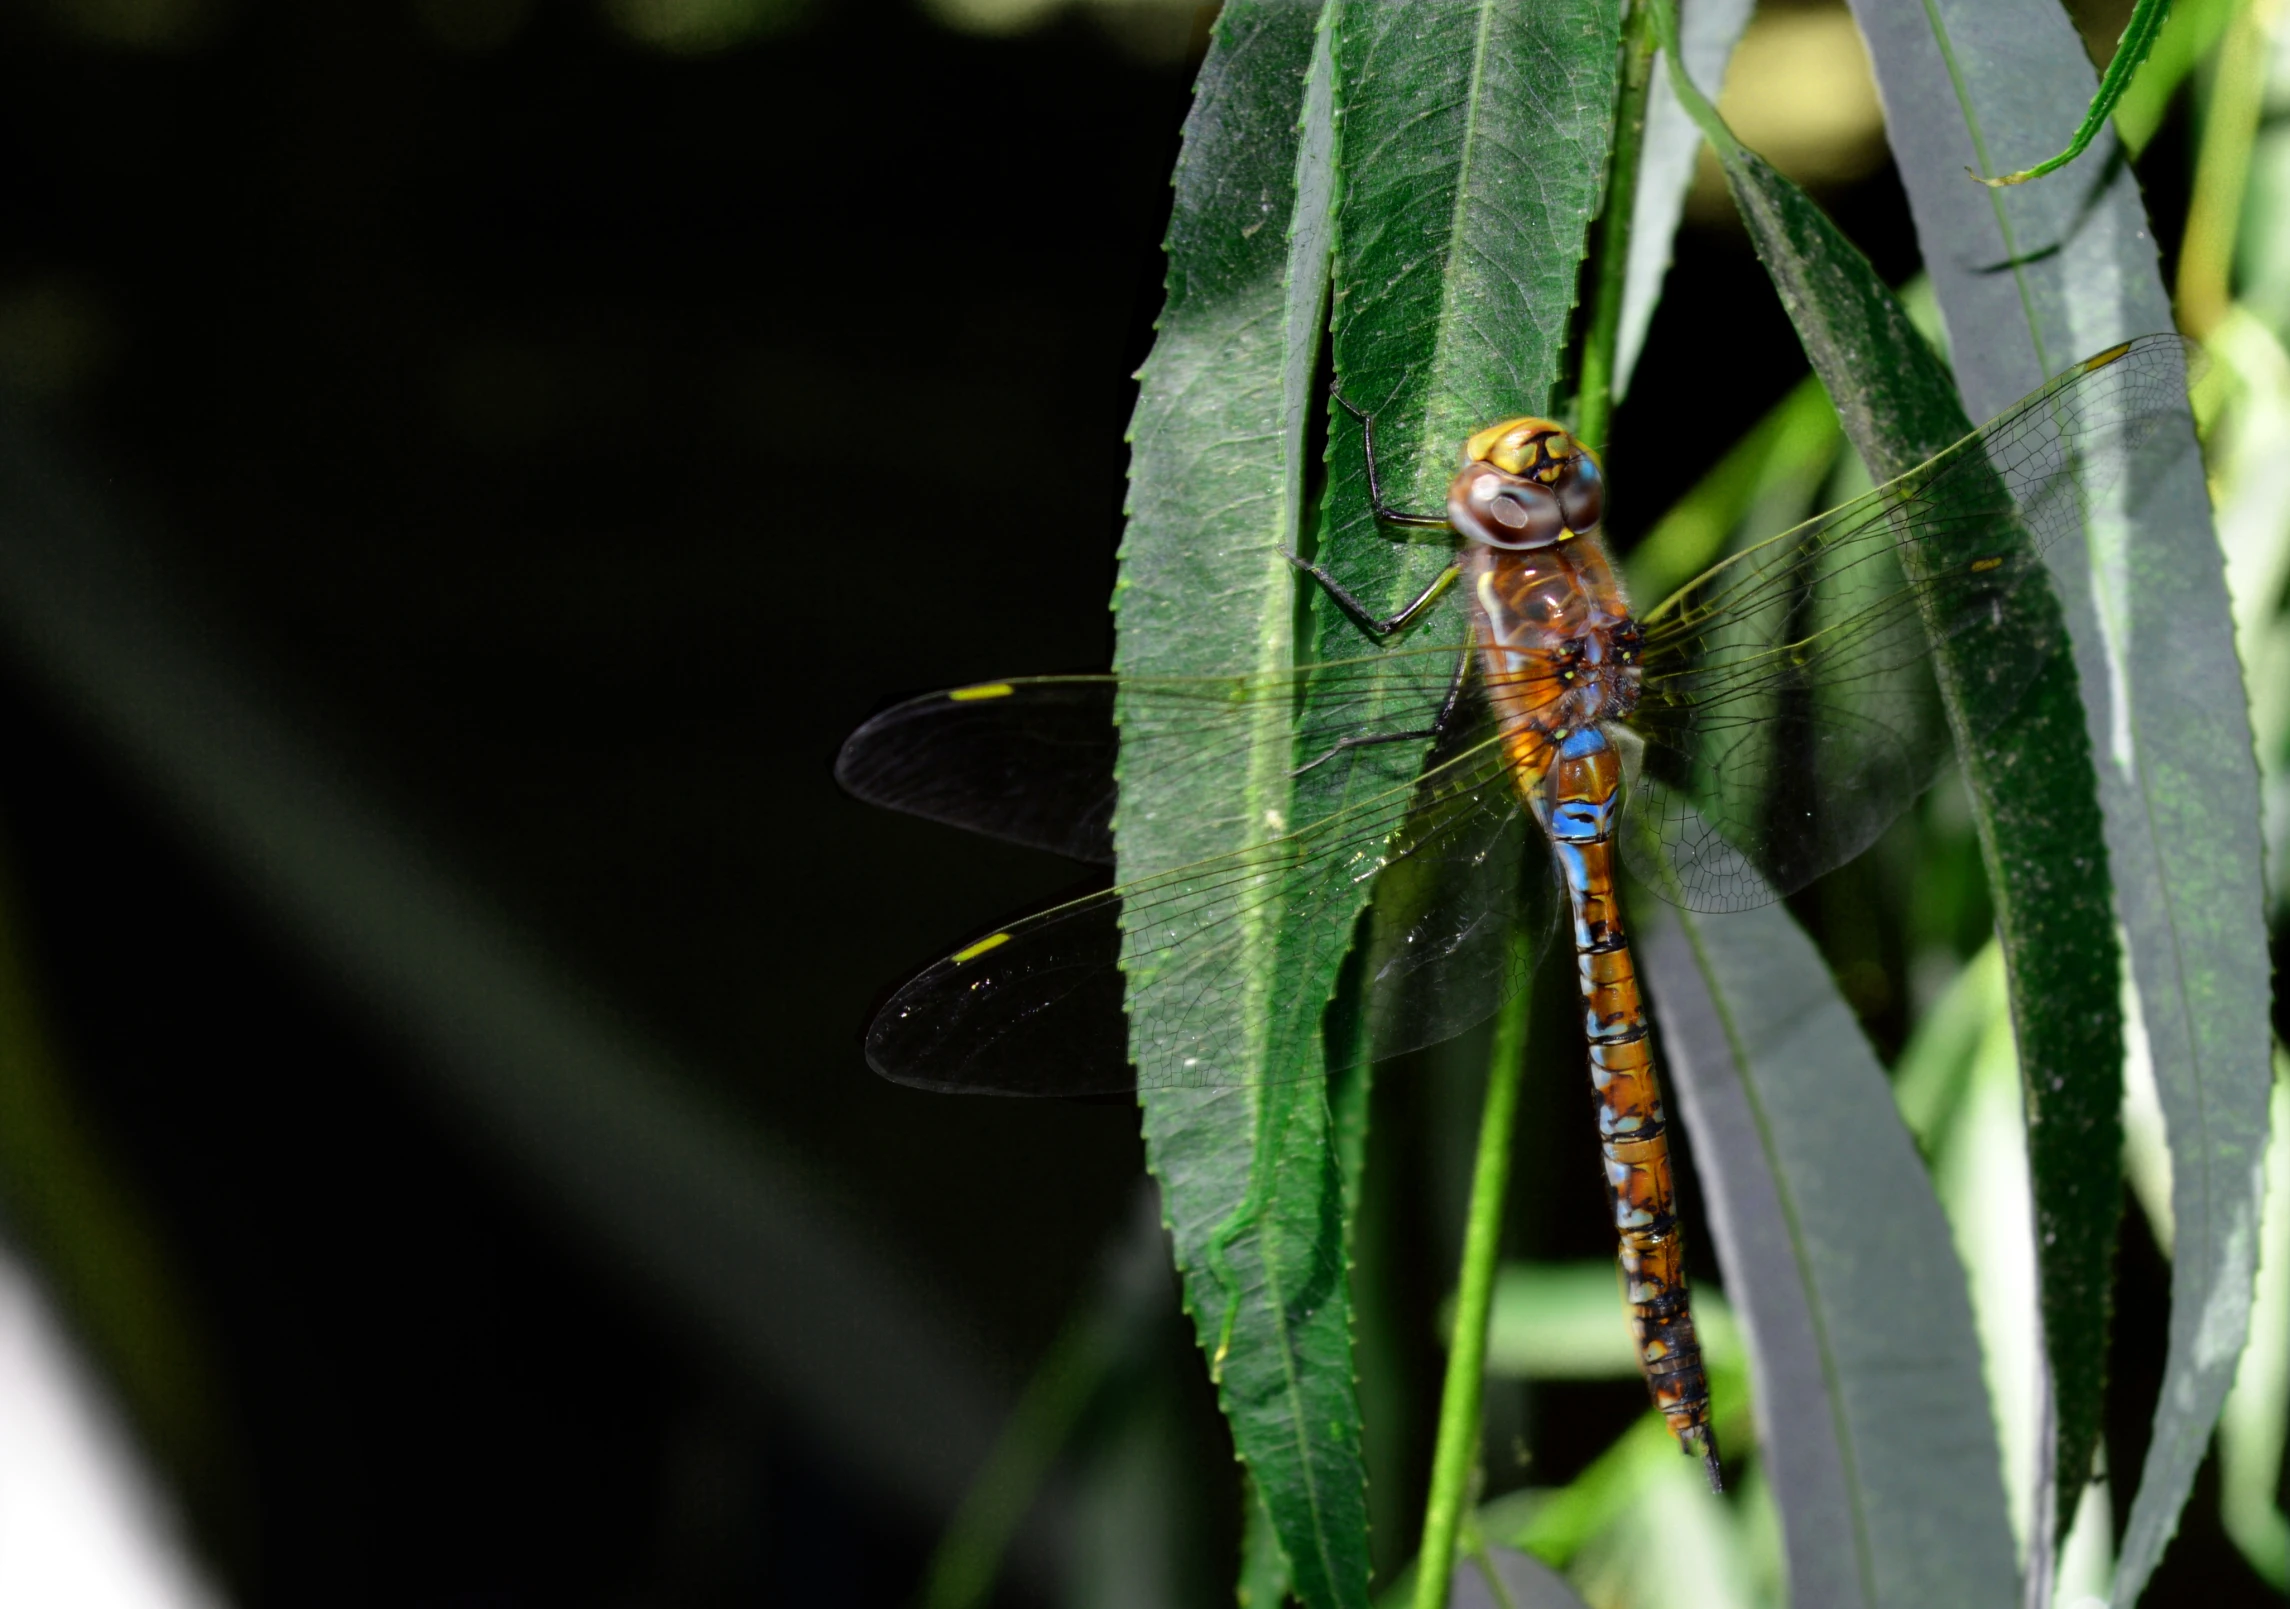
x: 1666, y: 1543
x: 2029, y: 281
x: 1555, y: 1321
x: 1475, y: 141
x: 1474, y: 138
x: 1976, y: 1145
x: 2035, y: 804
x: 2139, y: 36
x: 1872, y: 1417
x: 1216, y: 488
x: 2187, y: 36
x: 1708, y: 30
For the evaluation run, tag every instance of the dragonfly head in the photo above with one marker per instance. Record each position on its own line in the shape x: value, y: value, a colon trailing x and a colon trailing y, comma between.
x: 1526, y: 483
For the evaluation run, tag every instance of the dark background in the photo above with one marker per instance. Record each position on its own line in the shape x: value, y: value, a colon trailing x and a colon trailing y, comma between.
x: 570, y: 440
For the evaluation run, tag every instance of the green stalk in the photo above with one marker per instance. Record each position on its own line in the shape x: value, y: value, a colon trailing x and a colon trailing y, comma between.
x: 1594, y: 401
x: 2238, y: 92
x: 1457, y: 1450
x: 968, y: 1558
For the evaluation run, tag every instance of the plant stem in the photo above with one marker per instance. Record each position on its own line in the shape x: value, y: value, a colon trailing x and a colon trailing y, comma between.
x: 2206, y: 258
x: 968, y: 1558
x: 1457, y: 1450
x: 1594, y: 400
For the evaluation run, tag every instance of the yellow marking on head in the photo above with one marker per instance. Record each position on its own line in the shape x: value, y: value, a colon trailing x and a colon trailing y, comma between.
x: 1988, y: 563
x: 963, y: 695
x: 1516, y: 446
x: 992, y: 941
x: 2100, y: 360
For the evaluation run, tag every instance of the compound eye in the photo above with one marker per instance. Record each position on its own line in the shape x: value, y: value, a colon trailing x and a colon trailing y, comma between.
x: 1581, y: 495
x: 1505, y: 512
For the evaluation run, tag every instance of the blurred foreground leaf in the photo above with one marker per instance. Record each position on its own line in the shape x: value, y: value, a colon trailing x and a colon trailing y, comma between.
x: 1499, y: 1578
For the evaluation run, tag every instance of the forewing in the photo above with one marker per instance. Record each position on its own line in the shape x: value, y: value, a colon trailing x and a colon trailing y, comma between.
x: 1032, y: 760
x: 1790, y: 710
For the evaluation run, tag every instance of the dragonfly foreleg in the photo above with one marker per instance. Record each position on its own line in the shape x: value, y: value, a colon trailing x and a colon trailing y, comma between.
x: 1437, y: 728
x: 1383, y: 511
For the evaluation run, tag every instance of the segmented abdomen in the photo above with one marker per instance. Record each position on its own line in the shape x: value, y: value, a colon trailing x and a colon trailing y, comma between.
x: 1548, y: 621
x: 1633, y: 1136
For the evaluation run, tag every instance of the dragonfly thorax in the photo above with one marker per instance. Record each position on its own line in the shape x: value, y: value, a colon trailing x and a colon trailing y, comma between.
x: 1558, y: 649
x: 1525, y: 483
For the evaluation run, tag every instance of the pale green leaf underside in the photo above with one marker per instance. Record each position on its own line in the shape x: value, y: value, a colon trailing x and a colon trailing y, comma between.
x: 1872, y: 1414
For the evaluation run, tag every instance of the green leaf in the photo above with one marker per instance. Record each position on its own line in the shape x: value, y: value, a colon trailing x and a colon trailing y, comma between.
x: 2193, y: 27
x: 1872, y: 1416
x: 2029, y: 281
x: 2034, y: 798
x: 2138, y: 38
x: 1555, y: 1321
x: 1216, y: 488
x: 1474, y: 139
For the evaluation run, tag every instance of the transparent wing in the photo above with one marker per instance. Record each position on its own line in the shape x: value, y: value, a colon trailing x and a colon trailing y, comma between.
x: 1468, y: 904
x: 1032, y: 760
x: 1790, y: 709
x: 1035, y: 1007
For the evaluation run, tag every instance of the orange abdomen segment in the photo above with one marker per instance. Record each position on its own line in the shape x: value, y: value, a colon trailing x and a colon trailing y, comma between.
x: 1576, y: 798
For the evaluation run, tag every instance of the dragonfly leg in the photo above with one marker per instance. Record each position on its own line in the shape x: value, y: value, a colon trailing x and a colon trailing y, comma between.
x: 1437, y: 728
x: 1360, y: 614
x: 1383, y: 511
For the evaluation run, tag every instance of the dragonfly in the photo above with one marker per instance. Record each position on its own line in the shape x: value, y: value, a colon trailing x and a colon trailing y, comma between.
x: 1756, y: 729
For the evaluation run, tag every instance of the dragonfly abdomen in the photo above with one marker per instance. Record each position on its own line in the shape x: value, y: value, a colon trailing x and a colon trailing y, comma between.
x: 1576, y: 800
